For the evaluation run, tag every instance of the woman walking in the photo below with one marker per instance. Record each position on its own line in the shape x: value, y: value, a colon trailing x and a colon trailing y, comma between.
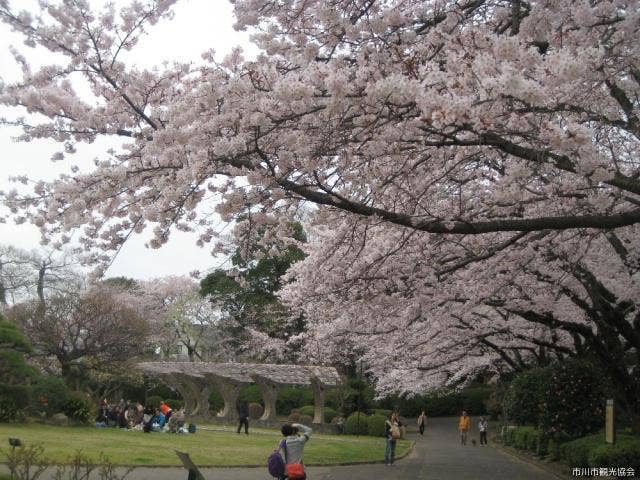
x: 422, y: 421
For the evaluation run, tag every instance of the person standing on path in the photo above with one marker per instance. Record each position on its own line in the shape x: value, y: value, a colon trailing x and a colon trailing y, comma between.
x: 422, y: 421
x: 464, y: 424
x: 243, y: 413
x: 296, y: 436
x: 392, y: 434
x: 482, y: 426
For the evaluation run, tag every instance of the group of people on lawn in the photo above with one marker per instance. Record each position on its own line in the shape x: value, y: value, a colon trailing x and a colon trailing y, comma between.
x: 163, y: 418
x: 134, y: 416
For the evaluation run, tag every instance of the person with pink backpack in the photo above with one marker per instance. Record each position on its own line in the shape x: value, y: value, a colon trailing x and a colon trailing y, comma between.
x: 292, y: 446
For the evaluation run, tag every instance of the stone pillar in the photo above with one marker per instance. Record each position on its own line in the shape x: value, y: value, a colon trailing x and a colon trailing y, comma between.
x: 229, y: 393
x: 318, y: 399
x: 203, y: 390
x: 269, y: 391
x: 610, y: 423
x: 192, y: 387
x: 184, y: 389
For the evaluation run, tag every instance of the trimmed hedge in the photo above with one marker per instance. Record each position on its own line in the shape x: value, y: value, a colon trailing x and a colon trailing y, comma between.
x: 381, y: 411
x: 526, y: 438
x: 329, y: 413
x: 592, y: 451
x: 307, y: 410
x: 356, y: 425
x: 305, y: 419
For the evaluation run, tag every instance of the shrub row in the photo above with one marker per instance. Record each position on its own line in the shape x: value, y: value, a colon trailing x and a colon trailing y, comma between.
x: 307, y: 413
x: 526, y: 438
x: 592, y: 451
x: 46, y: 397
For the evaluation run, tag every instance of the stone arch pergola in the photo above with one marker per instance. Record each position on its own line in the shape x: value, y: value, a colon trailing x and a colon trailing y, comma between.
x: 194, y: 381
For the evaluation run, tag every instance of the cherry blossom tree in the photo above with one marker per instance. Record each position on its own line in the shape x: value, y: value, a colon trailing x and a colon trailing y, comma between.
x: 473, y: 163
x: 181, y: 318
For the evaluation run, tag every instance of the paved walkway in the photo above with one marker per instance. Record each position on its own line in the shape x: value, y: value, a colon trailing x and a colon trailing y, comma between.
x: 437, y: 456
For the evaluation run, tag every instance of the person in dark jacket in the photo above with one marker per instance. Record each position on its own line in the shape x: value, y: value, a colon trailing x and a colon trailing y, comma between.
x: 243, y: 413
x: 103, y: 415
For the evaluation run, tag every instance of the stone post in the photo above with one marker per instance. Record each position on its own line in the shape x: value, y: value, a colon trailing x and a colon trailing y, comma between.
x: 185, y: 391
x: 229, y: 393
x: 610, y: 425
x: 318, y: 399
x: 192, y: 386
x: 269, y: 391
x: 204, y: 390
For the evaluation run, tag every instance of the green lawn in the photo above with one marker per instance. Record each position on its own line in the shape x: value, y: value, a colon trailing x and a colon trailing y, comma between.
x: 206, y: 447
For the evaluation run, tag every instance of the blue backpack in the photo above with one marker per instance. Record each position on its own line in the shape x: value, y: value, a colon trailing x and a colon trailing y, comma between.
x: 275, y: 463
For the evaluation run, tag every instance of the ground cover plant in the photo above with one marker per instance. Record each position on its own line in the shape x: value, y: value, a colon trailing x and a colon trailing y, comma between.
x: 206, y: 447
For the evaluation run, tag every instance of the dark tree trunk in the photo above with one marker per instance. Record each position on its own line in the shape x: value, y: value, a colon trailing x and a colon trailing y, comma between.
x: 3, y: 294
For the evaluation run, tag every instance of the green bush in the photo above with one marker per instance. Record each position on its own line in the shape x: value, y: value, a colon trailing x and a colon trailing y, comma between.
x: 443, y: 404
x: 216, y: 402
x: 381, y: 411
x: 333, y: 398
x: 356, y: 424
x: 329, y: 414
x: 310, y: 410
x: 250, y: 394
x: 375, y: 425
x: 305, y: 419
x: 525, y: 438
x: 307, y: 410
x: 508, y: 435
x: 622, y: 453
x: 79, y: 407
x: 153, y: 401
x: 592, y: 451
x: 15, y: 372
x: 553, y: 450
x: 474, y: 399
x: 14, y: 400
x: 294, y: 417
x: 494, y: 402
x: 577, y: 406
x: 50, y: 395
x: 525, y: 396
x: 293, y: 397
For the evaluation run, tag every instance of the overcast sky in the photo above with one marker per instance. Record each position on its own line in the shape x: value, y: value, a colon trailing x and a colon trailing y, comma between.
x: 198, y: 25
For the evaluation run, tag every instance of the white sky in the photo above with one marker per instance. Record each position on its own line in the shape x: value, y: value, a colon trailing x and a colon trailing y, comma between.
x: 198, y: 25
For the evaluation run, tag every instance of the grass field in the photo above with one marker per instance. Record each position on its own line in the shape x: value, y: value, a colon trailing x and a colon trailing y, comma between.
x: 206, y: 447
